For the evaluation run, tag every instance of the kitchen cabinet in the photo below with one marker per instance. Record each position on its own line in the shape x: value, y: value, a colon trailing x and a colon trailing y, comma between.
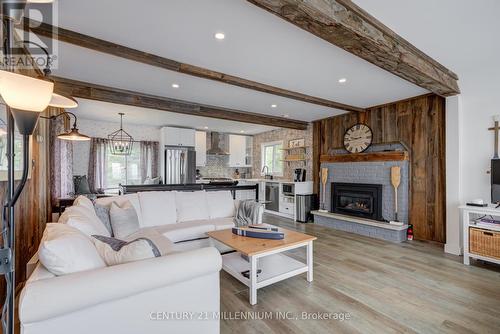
x: 240, y: 151
x: 201, y: 148
x: 177, y: 136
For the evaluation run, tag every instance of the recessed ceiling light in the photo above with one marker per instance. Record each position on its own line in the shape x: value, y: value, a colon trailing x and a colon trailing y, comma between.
x: 342, y: 80
x: 175, y: 85
x: 274, y: 106
x: 205, y: 127
x: 220, y: 35
x: 286, y: 115
x: 242, y: 131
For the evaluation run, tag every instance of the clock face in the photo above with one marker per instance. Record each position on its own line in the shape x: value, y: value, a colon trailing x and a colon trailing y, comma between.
x: 358, y: 138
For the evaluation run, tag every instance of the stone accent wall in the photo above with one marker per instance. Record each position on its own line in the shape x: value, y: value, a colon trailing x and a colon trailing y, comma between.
x: 285, y: 135
x: 374, y: 173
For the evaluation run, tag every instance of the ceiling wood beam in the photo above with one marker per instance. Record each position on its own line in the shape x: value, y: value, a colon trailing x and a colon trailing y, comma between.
x: 95, y: 92
x: 118, y: 50
x: 346, y: 25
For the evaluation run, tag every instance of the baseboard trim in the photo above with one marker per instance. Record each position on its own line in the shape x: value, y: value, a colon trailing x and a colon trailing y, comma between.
x: 453, y: 249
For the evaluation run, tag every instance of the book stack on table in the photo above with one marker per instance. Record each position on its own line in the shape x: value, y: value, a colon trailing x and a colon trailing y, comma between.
x: 259, y: 231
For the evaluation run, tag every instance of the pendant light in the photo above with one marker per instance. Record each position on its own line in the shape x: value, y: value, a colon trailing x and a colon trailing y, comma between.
x: 120, y: 142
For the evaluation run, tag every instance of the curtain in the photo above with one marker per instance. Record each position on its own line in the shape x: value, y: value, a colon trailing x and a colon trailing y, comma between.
x: 149, y: 159
x: 61, y: 159
x: 97, y: 164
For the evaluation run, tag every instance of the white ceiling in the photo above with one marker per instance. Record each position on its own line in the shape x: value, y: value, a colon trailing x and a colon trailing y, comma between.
x: 108, y: 112
x: 258, y: 46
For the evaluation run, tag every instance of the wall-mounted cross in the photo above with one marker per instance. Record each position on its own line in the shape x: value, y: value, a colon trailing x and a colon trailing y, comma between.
x: 496, y: 128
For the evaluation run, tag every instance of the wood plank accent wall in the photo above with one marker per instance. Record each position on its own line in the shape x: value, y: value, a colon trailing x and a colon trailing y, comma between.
x: 419, y: 123
x: 32, y: 210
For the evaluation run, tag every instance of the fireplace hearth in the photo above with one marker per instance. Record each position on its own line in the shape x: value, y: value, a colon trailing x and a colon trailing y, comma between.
x: 357, y: 199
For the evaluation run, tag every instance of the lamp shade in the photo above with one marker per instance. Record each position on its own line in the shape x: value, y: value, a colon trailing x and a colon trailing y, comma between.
x: 61, y: 101
x: 73, y: 135
x: 22, y: 92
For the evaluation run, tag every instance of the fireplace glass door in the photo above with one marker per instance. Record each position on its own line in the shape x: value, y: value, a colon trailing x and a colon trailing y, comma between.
x: 356, y: 199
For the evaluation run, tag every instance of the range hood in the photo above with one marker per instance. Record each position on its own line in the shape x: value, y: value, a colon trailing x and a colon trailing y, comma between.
x: 215, y: 147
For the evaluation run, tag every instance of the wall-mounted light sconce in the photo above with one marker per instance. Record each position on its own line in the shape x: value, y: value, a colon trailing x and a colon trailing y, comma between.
x: 73, y: 134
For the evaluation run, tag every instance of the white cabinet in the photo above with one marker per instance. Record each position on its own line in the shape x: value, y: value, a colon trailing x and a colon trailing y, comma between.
x: 178, y: 136
x: 201, y: 148
x: 240, y: 151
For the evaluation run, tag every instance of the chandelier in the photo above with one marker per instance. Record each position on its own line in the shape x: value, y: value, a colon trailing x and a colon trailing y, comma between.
x: 120, y: 142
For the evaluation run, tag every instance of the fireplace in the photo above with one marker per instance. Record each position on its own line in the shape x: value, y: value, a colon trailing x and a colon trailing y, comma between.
x: 357, y: 199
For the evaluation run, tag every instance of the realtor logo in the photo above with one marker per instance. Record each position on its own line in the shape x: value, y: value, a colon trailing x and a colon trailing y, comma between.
x: 33, y: 45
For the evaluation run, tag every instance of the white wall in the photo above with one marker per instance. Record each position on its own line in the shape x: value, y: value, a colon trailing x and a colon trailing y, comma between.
x: 100, y: 129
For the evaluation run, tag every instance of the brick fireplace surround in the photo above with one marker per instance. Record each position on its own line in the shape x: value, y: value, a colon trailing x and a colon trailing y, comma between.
x: 372, y: 172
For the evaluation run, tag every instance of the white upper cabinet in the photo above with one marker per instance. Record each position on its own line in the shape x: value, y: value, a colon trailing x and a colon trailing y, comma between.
x: 178, y: 136
x: 240, y: 151
x: 201, y: 148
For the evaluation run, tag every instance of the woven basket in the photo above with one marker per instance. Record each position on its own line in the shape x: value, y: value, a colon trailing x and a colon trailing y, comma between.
x: 484, y: 242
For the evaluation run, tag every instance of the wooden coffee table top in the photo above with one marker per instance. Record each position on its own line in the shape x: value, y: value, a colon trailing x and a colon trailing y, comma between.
x: 252, y: 246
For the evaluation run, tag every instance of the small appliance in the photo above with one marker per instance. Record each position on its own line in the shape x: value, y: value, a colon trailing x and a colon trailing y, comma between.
x: 300, y: 175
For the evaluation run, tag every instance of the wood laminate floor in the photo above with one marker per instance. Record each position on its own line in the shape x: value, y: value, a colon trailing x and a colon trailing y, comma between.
x: 413, y: 287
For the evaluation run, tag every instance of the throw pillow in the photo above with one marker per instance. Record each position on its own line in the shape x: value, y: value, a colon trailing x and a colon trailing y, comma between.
x: 124, y: 220
x: 65, y: 250
x: 81, y: 184
x: 115, y: 251
x: 83, y: 219
x: 102, y: 213
x: 83, y: 201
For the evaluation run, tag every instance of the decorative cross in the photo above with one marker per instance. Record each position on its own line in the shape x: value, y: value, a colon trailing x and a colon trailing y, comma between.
x: 496, y: 128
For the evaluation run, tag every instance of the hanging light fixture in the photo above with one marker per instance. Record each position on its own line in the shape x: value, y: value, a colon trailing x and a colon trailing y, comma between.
x: 120, y: 142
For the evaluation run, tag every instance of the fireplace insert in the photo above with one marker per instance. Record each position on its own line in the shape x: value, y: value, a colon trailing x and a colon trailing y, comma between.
x: 357, y: 199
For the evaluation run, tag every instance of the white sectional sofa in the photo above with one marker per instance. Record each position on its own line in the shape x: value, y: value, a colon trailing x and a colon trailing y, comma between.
x: 137, y: 297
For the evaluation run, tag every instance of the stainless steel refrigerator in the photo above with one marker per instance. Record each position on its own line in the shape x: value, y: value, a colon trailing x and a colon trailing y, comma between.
x: 180, y: 165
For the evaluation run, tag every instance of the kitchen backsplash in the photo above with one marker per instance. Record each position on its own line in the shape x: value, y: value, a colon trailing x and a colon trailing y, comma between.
x: 217, y: 166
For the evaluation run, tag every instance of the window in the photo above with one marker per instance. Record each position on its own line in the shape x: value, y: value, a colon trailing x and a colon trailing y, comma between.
x: 272, y: 155
x: 123, y: 169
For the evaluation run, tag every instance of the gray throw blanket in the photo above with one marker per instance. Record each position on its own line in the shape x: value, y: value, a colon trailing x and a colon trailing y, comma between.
x: 247, y: 213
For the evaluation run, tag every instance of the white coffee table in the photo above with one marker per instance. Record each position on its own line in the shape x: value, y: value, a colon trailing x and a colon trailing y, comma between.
x: 266, y: 255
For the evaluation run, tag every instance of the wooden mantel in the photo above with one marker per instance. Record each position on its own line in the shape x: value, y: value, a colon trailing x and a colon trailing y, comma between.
x: 366, y: 157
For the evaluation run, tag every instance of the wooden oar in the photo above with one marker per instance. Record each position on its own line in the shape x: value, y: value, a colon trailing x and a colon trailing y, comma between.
x: 396, y: 181
x: 324, y: 179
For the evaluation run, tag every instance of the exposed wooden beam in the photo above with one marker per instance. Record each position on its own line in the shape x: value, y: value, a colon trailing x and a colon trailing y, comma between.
x: 346, y: 25
x: 120, y: 96
x: 122, y: 51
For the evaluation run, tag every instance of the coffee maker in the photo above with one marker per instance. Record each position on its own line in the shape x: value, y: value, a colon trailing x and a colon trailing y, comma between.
x: 300, y: 175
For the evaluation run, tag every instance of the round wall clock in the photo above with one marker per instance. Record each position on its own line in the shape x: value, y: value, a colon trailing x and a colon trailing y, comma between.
x: 358, y: 138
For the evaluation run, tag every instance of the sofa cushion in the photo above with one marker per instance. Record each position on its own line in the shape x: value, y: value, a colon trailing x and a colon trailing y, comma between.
x: 191, y: 206
x: 223, y: 223
x: 186, y: 231
x: 123, y: 219
x: 115, y: 251
x: 120, y: 200
x: 220, y: 204
x: 158, y: 208
x: 65, y: 250
x: 83, y: 219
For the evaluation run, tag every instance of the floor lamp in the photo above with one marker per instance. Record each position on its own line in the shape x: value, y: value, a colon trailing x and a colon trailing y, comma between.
x: 25, y: 97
